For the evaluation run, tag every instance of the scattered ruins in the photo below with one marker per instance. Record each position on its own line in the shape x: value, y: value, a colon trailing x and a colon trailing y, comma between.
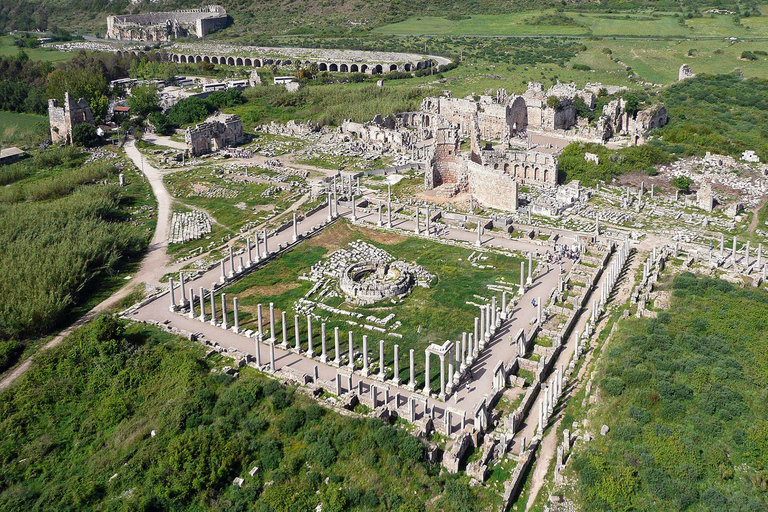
x: 216, y: 132
x: 167, y: 26
x: 501, y: 156
x: 64, y: 118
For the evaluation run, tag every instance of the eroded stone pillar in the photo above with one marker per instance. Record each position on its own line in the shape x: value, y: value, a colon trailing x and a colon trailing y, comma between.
x: 323, y: 347
x: 295, y: 228
x: 310, y: 351
x: 284, y: 327
x: 412, y: 371
x: 266, y: 247
x: 351, y: 352
x: 173, y: 295
x: 224, y: 324
x: 260, y: 321
x: 297, y: 347
x: 213, y: 307
x: 396, y: 377
x: 235, y: 327
x: 336, y: 355
x: 202, y: 304
x: 426, y: 373
x: 365, y: 356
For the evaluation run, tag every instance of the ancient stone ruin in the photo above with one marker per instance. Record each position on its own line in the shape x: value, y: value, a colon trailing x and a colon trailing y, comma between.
x: 214, y: 133
x: 63, y: 119
x: 166, y: 26
x: 370, y: 281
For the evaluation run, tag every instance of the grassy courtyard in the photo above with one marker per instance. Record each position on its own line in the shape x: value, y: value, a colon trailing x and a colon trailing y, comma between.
x: 441, y: 312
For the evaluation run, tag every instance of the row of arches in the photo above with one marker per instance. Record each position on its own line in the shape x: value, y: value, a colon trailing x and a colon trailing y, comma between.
x: 322, y: 66
x: 526, y: 172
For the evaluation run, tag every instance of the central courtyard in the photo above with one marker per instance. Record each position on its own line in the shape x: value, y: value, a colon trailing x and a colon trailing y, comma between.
x: 450, y: 284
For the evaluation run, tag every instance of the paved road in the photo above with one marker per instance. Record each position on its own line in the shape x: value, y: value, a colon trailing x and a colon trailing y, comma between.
x: 497, y: 349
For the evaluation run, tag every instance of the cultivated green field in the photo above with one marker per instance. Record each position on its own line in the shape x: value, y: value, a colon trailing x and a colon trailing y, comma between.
x: 441, y: 312
x: 48, y: 55
x: 552, y: 23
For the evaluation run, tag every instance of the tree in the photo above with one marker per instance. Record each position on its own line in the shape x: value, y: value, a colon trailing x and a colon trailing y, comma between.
x: 683, y: 183
x: 84, y: 134
x: 632, y: 104
x: 553, y: 102
x: 80, y: 83
x: 143, y: 100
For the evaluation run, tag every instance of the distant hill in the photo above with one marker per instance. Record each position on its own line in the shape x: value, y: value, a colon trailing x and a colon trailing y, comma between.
x: 254, y: 18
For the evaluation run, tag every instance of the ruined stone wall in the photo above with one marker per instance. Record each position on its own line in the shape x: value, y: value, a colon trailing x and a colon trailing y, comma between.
x: 524, y: 166
x: 63, y: 119
x: 458, y: 111
x: 166, y: 26
x: 492, y: 188
x: 445, y: 165
x: 494, y: 122
x: 213, y: 134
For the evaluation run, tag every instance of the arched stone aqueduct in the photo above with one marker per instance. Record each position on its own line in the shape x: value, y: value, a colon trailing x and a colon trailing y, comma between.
x: 257, y: 62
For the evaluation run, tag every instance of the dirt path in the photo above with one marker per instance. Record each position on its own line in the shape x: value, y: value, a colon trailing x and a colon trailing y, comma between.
x: 756, y: 214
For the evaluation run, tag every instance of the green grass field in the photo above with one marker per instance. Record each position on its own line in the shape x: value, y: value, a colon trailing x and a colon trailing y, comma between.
x: 22, y: 128
x: 440, y: 312
x: 48, y: 55
x: 654, y: 25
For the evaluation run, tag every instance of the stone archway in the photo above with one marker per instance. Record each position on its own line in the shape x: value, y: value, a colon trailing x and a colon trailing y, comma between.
x: 393, y: 67
x: 323, y: 66
x: 333, y: 67
x: 344, y: 68
x: 354, y: 68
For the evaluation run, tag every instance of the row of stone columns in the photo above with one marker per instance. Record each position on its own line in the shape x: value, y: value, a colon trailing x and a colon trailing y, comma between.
x: 550, y: 394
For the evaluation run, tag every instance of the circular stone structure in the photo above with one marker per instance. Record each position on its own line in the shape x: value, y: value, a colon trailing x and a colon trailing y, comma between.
x: 370, y: 281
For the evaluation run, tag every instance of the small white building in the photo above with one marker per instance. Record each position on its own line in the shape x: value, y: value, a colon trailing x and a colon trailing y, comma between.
x: 282, y: 80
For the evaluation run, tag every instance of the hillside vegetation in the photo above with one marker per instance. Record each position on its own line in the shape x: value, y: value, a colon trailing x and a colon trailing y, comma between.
x: 685, y: 398
x: 77, y: 435
x: 311, y: 17
x: 65, y: 237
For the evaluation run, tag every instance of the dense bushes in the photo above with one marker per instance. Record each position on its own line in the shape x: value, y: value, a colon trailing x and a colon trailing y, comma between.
x: 59, y: 238
x: 572, y: 164
x: 85, y: 410
x: 724, y: 114
x: 685, y: 397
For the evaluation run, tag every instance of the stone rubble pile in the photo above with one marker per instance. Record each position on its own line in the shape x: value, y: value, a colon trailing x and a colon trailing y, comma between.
x: 189, y: 226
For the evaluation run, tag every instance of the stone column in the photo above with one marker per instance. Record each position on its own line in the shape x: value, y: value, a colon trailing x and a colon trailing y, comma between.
x: 380, y: 222
x: 351, y: 352
x: 338, y: 384
x: 330, y: 207
x: 248, y: 250
x: 231, y: 262
x: 284, y: 326
x: 522, y: 277
x: 272, y: 365
x: 224, y: 324
x: 336, y: 355
x: 191, y: 304
x: 494, y: 315
x: 323, y: 345
x: 202, y: 304
x: 258, y: 247
x: 295, y: 228
x: 260, y: 321
x: 310, y: 351
x: 257, y: 343
x: 173, y: 295
x: 382, y: 368
x: 530, y: 268
x: 223, y: 277
x: 487, y: 322
x: 213, y: 307
x: 266, y: 247
x: 298, y: 334
x: 734, y: 250
x: 746, y: 255
x: 484, y: 323
x: 389, y: 205
x: 183, y: 289
x: 241, y: 267
x: 463, y: 363
x: 428, y: 221
x: 417, y: 230
x: 412, y: 372
x: 236, y: 327
x: 396, y: 377
x: 354, y: 208
x: 477, y: 329
x: 442, y: 377
x: 426, y: 373
x: 479, y: 233
x: 759, y: 256
x: 365, y: 356
x: 504, y: 305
